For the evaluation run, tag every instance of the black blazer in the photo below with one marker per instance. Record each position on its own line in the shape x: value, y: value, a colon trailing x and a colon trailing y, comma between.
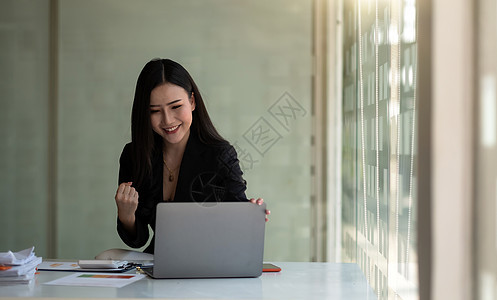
x: 208, y: 173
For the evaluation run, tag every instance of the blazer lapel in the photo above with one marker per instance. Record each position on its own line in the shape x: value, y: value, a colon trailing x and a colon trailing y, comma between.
x: 192, y: 158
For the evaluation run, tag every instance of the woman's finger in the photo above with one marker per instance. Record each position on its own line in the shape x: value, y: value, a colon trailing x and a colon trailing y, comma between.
x: 128, y: 190
x: 135, y: 194
x: 259, y: 201
x: 120, y: 188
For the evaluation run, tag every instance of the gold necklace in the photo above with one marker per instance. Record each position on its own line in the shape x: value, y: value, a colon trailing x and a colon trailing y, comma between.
x: 171, y: 174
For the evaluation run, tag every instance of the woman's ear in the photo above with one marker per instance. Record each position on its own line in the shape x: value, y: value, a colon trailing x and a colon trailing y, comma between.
x: 192, y: 101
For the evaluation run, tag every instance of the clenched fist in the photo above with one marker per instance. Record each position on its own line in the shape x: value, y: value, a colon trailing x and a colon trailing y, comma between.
x: 127, y: 202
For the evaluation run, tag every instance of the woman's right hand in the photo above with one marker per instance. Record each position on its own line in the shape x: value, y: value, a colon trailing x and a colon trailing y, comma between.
x: 127, y: 202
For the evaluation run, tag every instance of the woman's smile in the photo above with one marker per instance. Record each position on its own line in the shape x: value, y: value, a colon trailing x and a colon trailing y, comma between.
x: 171, y: 130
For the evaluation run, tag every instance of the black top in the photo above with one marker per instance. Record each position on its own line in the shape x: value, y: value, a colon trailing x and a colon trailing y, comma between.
x: 208, y: 173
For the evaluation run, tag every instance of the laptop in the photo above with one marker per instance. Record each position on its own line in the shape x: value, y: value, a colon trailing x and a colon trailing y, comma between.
x: 208, y: 240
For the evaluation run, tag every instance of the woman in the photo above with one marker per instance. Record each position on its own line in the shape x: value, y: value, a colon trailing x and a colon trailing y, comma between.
x: 176, y: 154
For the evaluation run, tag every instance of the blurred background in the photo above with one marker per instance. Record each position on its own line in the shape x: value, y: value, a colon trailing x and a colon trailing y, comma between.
x: 348, y: 117
x: 69, y: 71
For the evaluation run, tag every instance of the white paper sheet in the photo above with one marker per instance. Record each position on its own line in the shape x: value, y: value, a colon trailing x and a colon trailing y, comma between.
x: 21, y: 270
x: 58, y: 266
x: 97, y: 279
x: 72, y: 266
x: 17, y: 258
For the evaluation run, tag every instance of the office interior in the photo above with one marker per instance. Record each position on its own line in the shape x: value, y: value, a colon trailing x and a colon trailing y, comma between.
x: 368, y: 126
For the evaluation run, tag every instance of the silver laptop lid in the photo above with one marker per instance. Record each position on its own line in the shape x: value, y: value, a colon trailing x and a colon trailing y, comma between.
x: 224, y: 239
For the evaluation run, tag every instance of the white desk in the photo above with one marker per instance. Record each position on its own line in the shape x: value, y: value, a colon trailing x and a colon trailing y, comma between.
x: 295, y: 281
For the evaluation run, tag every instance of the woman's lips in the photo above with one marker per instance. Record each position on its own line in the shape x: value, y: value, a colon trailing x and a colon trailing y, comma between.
x: 171, y: 130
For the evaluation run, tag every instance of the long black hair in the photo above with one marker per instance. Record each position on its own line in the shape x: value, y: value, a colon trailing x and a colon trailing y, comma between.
x: 144, y: 140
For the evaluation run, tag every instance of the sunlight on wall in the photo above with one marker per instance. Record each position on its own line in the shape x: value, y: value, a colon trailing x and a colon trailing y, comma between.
x: 379, y: 144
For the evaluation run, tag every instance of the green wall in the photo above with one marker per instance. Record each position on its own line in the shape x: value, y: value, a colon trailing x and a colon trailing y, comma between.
x: 251, y: 60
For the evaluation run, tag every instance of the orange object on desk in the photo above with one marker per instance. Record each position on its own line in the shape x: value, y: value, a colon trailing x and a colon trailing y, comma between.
x: 267, y: 267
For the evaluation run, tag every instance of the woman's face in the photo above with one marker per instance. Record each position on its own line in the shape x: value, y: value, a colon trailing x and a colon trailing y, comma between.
x: 171, y: 113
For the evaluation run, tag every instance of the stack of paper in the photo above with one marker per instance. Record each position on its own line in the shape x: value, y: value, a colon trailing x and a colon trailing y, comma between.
x: 18, y: 267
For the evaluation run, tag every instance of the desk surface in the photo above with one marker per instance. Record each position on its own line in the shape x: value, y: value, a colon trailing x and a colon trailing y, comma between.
x: 295, y: 281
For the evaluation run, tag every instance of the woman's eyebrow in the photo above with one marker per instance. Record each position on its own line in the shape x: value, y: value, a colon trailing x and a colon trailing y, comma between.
x: 170, y: 103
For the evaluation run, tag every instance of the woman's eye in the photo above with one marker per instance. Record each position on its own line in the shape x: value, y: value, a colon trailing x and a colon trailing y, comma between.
x: 176, y: 106
x: 153, y: 111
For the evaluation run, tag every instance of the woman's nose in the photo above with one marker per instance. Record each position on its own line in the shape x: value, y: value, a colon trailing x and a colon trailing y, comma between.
x: 166, y: 117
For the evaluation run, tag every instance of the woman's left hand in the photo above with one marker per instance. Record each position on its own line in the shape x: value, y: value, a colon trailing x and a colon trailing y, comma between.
x: 259, y: 201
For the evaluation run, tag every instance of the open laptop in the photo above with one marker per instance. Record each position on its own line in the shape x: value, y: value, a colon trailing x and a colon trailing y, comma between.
x: 223, y: 239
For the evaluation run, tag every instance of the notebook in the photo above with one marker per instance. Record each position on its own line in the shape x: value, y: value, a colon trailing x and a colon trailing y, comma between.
x: 223, y: 239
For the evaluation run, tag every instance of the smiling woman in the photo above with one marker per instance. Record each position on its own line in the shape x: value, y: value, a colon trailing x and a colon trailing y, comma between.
x: 171, y: 119
x: 174, y: 143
